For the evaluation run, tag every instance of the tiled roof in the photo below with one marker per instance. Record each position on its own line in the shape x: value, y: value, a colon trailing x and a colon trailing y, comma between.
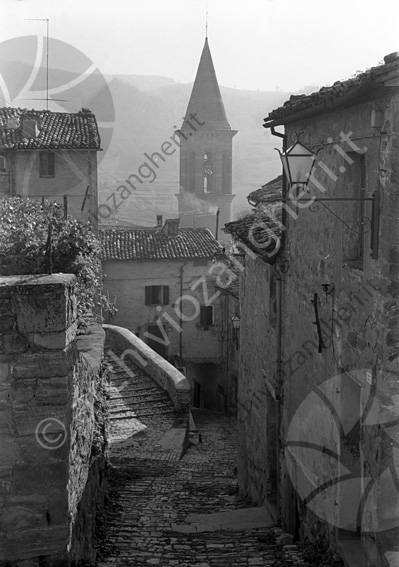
x: 154, y: 244
x: 339, y: 93
x: 55, y: 130
x: 226, y: 280
x: 258, y: 230
x: 268, y: 193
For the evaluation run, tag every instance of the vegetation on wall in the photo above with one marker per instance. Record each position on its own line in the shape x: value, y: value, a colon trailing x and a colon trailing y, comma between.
x: 36, y: 238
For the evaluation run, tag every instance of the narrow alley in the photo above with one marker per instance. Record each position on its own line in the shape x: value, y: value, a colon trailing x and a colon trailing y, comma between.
x: 157, y: 501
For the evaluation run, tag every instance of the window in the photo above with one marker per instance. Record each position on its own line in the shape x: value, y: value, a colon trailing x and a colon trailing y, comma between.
x: 190, y: 171
x: 206, y: 316
x: 353, y: 211
x: 157, y: 295
x: 47, y: 164
x: 208, y: 173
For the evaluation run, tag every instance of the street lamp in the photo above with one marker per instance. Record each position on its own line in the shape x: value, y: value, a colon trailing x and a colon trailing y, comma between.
x: 236, y: 323
x: 298, y: 162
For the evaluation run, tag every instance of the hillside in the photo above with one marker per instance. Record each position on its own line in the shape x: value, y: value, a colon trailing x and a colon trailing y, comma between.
x: 147, y: 110
x: 147, y: 114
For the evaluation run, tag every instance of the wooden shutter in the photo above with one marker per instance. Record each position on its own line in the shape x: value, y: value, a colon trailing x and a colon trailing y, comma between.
x: 165, y: 295
x: 148, y: 295
x: 47, y: 164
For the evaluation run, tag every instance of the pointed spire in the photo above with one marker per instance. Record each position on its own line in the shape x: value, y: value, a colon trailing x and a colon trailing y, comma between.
x: 206, y: 102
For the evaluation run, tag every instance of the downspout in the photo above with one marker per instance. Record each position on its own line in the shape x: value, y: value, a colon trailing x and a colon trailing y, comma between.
x: 181, y: 314
x: 217, y: 224
x: 278, y: 388
x: 226, y: 405
x: 279, y: 332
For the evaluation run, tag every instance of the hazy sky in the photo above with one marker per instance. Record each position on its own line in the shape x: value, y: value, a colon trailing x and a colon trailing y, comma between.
x: 255, y: 44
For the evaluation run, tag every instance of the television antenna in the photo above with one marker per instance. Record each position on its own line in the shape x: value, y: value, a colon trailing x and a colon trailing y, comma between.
x: 47, y: 50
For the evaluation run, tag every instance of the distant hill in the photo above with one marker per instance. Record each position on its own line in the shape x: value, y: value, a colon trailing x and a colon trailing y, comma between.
x: 147, y: 111
x: 143, y: 82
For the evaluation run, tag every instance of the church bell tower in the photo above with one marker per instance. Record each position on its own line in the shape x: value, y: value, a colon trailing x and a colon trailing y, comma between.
x: 205, y: 153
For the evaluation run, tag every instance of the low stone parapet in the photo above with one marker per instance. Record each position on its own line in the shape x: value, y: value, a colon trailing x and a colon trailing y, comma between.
x: 160, y: 370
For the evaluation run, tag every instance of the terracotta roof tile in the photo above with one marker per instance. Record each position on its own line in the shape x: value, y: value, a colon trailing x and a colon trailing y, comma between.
x: 339, y: 92
x: 268, y: 193
x: 55, y: 130
x: 153, y: 244
x: 259, y: 229
x: 227, y: 282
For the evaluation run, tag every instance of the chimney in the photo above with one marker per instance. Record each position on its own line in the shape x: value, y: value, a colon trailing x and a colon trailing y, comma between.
x: 171, y: 227
x: 159, y: 221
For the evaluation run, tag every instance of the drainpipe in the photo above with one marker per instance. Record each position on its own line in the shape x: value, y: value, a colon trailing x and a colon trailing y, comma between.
x: 181, y: 314
x: 279, y: 331
x: 217, y: 223
x: 278, y: 386
x: 228, y: 322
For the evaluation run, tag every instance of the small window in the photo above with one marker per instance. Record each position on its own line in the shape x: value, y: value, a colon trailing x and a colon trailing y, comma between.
x: 47, y: 164
x: 201, y: 262
x: 157, y: 295
x: 206, y: 316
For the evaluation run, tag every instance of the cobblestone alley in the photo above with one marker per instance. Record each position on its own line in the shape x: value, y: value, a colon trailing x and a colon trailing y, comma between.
x: 153, y: 492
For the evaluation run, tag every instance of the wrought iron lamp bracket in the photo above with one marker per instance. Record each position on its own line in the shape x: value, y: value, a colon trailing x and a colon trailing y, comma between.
x: 365, y: 223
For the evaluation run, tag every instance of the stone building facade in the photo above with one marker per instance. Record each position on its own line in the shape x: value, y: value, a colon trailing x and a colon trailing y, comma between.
x: 163, y: 282
x: 51, y: 155
x: 319, y: 307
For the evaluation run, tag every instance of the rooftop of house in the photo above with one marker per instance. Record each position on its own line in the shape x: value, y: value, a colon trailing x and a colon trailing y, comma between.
x: 259, y: 229
x: 268, y: 193
x: 229, y: 280
x: 23, y: 129
x: 358, y: 88
x: 167, y: 242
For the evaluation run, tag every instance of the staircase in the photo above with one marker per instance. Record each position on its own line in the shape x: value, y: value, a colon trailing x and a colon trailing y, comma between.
x: 140, y: 412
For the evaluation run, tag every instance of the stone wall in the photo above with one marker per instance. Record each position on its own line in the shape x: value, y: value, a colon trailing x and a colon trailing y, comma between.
x: 359, y: 323
x: 47, y: 421
x: 257, y: 370
x: 357, y: 361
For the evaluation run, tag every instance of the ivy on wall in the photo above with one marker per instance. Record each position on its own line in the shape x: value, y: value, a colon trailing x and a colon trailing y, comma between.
x: 37, y: 238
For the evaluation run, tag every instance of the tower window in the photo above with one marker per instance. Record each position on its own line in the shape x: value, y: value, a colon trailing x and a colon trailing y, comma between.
x: 208, y: 173
x: 226, y: 173
x: 190, y: 171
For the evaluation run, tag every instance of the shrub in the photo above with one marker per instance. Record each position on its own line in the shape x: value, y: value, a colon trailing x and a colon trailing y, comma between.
x: 35, y: 238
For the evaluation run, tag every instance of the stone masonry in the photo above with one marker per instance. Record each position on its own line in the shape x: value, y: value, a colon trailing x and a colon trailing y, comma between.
x: 46, y: 421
